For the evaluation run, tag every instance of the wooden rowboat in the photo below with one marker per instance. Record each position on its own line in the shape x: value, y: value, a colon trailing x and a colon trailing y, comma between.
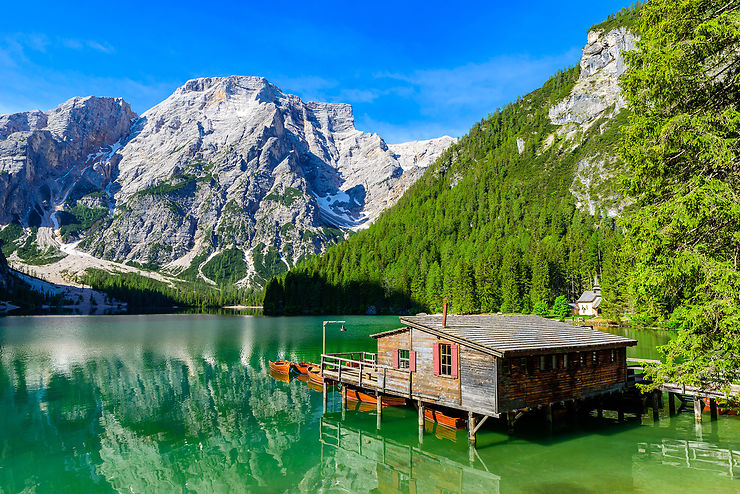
x: 388, y: 401
x: 303, y: 367
x: 314, y: 374
x: 443, y: 419
x: 281, y: 366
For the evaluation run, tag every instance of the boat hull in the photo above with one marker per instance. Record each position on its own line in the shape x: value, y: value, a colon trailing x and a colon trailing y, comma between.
x: 445, y: 420
x: 281, y: 366
x: 387, y: 401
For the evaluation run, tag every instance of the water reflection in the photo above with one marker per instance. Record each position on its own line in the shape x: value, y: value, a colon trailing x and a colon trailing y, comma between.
x: 186, y: 403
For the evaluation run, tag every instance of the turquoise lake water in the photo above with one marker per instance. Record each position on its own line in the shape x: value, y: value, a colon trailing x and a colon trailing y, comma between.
x: 184, y: 403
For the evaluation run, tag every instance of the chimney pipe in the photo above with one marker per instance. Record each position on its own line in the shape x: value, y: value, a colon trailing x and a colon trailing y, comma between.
x: 444, y: 313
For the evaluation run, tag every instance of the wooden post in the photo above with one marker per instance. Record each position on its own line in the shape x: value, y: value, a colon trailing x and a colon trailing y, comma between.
x: 379, y: 408
x: 671, y: 404
x: 510, y: 422
x: 326, y: 396
x: 471, y: 428
x: 698, y: 408
x: 655, y: 399
x: 713, y: 408
x: 421, y: 422
x: 344, y: 397
x: 548, y: 414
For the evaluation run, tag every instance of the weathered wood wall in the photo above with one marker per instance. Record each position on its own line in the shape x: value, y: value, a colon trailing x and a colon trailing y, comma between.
x: 424, y: 382
x: 478, y: 379
x: 387, y: 344
x: 522, y: 388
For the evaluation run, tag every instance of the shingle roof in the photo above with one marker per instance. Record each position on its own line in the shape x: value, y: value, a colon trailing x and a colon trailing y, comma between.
x: 588, y: 296
x: 509, y: 334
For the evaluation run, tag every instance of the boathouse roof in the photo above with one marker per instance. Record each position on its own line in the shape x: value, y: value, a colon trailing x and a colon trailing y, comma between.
x: 507, y: 335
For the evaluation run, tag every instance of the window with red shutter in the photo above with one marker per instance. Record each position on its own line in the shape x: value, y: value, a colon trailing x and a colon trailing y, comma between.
x: 412, y: 361
x: 435, y: 359
x: 453, y: 354
x: 395, y: 359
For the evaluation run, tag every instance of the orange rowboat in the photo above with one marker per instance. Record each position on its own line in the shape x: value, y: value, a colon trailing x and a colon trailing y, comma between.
x: 303, y: 367
x: 446, y: 420
x: 281, y: 366
x: 388, y: 401
x: 314, y: 374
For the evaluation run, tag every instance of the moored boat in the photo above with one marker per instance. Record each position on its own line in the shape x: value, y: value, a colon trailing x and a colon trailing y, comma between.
x: 314, y: 374
x: 304, y: 366
x: 444, y: 419
x: 387, y: 401
x: 281, y: 366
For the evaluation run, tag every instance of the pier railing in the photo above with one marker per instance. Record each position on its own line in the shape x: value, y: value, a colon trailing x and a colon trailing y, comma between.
x: 365, y: 372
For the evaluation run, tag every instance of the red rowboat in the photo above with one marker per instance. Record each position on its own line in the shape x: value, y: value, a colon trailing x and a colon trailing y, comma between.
x: 281, y: 366
x: 446, y: 420
x: 388, y: 401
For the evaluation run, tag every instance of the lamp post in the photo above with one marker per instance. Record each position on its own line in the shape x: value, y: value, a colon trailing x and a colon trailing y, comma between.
x: 323, y: 329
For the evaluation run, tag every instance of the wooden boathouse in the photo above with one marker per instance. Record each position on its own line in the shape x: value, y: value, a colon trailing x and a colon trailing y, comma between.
x: 485, y: 365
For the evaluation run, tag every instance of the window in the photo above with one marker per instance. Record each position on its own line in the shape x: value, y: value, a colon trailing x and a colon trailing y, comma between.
x: 543, y: 363
x: 595, y: 358
x: 613, y: 355
x: 565, y: 361
x: 554, y: 361
x: 582, y: 356
x: 523, y: 365
x: 403, y: 359
x: 445, y: 359
x: 506, y: 366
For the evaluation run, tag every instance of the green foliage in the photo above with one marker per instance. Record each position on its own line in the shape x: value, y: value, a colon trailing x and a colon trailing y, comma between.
x: 682, y: 145
x: 8, y: 237
x: 226, y: 267
x: 30, y: 253
x: 78, y: 219
x: 142, y: 291
x: 627, y: 17
x: 561, y: 309
x: 181, y: 181
x: 541, y: 309
x: 267, y: 262
x: 492, y: 228
x: 289, y: 196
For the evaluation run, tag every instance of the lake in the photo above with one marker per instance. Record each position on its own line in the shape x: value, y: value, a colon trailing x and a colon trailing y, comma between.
x: 185, y: 403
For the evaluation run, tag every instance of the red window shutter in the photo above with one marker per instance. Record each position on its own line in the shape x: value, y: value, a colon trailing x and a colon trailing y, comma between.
x: 453, y: 348
x: 435, y: 359
x: 412, y: 361
x: 395, y: 359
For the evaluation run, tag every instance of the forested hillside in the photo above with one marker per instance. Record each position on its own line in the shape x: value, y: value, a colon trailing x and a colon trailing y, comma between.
x: 493, y: 224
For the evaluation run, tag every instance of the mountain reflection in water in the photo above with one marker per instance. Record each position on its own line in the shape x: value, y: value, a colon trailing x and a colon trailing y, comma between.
x: 186, y: 403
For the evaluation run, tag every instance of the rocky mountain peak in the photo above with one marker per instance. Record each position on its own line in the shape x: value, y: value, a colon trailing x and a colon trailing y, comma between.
x: 224, y: 168
x: 597, y: 90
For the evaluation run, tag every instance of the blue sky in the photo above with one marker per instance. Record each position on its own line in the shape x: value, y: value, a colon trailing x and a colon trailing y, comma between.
x: 412, y: 70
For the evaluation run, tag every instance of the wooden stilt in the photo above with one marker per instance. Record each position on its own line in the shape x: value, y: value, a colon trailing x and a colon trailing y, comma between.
x: 510, y: 422
x: 344, y: 397
x: 379, y: 408
x: 671, y: 404
x: 421, y: 415
x: 713, y: 408
x: 471, y: 428
x: 655, y: 400
x: 548, y: 413
x: 326, y: 397
x: 698, y: 409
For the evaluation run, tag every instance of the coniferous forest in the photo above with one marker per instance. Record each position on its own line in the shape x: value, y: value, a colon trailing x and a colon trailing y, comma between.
x: 490, y: 227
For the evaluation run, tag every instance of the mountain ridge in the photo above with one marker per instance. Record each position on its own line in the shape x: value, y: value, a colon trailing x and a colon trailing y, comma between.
x: 224, y: 164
